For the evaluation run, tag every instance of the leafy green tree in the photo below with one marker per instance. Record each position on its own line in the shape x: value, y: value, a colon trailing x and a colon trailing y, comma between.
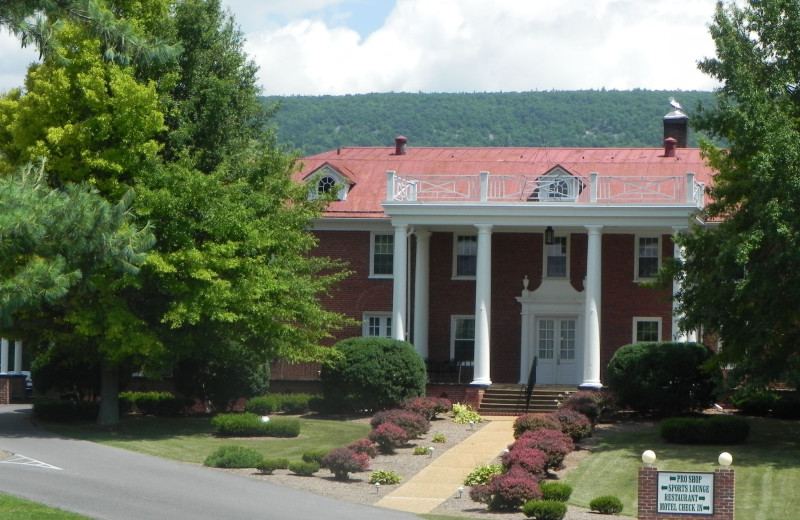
x: 36, y: 22
x: 741, y: 279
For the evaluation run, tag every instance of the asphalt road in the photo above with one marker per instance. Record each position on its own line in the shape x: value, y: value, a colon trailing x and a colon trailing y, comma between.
x: 112, y: 484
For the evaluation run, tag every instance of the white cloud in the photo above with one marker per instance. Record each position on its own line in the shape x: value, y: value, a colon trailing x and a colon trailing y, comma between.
x: 328, y: 47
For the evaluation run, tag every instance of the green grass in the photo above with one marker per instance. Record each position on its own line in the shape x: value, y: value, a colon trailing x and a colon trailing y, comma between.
x: 192, y: 439
x: 13, y: 508
x: 767, y: 468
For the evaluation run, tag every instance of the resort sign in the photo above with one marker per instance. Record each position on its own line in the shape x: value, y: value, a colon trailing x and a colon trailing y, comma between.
x: 685, y: 493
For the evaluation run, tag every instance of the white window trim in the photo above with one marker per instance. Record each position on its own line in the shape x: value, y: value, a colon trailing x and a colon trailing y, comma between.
x: 636, y: 277
x: 383, y: 316
x: 544, y: 259
x: 341, y: 184
x: 453, y: 319
x: 372, y: 255
x: 455, y: 275
x: 643, y: 319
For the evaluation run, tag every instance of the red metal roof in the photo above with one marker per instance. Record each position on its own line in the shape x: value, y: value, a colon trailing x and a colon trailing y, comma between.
x: 366, y: 167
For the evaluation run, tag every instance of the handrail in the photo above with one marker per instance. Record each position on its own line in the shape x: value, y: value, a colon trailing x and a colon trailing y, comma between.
x: 531, y: 383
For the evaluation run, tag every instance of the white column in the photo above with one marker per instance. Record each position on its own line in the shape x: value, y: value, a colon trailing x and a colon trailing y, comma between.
x: 400, y: 283
x: 677, y: 334
x: 421, y: 292
x: 18, y: 356
x: 3, y: 356
x: 524, y: 342
x: 483, y: 311
x: 591, y: 356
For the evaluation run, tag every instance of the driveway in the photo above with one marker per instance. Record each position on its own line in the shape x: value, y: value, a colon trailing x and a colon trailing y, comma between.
x: 107, y: 483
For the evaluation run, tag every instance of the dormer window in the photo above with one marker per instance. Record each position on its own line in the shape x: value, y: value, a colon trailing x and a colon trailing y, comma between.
x: 557, y: 185
x: 326, y: 184
x: 327, y: 179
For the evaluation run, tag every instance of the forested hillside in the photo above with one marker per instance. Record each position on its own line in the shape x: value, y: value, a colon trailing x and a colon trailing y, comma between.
x: 591, y: 118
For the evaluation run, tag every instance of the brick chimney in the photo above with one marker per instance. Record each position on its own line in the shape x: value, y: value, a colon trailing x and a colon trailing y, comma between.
x: 669, y: 146
x: 676, y: 125
x: 400, y: 143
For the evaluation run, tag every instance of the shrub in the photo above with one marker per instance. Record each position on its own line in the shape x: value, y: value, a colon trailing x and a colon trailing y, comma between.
x: 757, y: 403
x: 719, y: 429
x: 544, y: 509
x: 64, y: 410
x: 234, y: 457
x: 482, y: 474
x: 464, y: 414
x: 388, y: 437
x: 262, y: 405
x: 364, y: 446
x: 314, y: 456
x: 439, y: 438
x: 532, y: 460
x: 251, y: 425
x: 429, y: 407
x: 508, y: 491
x: 591, y: 403
x: 556, y: 491
x: 384, y: 477
x: 412, y: 423
x: 555, y: 444
x: 162, y: 404
x: 664, y: 378
x: 373, y: 374
x: 606, y: 505
x: 420, y: 450
x: 294, y: 404
x: 534, y: 421
x: 786, y: 408
x: 343, y: 461
x: 573, y: 423
x: 268, y: 466
x: 303, y: 469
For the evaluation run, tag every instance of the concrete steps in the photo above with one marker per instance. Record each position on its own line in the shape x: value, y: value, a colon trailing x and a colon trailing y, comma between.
x: 510, y: 399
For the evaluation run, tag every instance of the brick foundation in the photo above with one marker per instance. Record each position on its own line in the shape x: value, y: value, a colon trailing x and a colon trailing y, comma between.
x: 724, y: 494
x: 12, y: 388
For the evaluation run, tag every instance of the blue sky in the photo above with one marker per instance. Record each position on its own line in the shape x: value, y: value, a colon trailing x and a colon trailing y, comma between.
x: 334, y: 47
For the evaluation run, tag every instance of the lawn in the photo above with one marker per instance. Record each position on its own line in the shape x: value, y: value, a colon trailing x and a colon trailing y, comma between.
x: 192, y: 439
x: 13, y: 508
x: 767, y: 468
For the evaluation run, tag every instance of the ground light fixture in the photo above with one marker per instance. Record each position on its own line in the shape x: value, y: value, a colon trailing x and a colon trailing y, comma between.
x: 725, y: 459
x: 430, y: 451
x: 377, y: 488
x: 649, y: 457
x: 460, y: 491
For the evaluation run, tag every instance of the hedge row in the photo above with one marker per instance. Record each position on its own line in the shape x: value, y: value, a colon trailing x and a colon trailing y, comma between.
x: 293, y: 404
x: 251, y: 425
x: 720, y: 429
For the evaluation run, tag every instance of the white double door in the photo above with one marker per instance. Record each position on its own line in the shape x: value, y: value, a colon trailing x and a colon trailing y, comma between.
x: 555, y: 339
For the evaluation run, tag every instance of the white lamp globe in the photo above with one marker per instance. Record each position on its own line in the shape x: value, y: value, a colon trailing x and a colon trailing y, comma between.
x: 725, y: 459
x: 649, y: 457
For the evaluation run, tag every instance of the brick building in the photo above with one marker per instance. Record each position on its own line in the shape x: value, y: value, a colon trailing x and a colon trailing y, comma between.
x: 487, y: 259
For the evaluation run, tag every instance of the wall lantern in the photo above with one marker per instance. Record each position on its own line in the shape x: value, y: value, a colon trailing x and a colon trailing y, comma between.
x: 549, y: 236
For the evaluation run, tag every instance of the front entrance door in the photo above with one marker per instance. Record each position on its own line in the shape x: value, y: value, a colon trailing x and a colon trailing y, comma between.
x: 555, y: 346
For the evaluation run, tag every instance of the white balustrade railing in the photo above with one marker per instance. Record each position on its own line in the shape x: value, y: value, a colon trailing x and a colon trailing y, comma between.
x: 485, y: 188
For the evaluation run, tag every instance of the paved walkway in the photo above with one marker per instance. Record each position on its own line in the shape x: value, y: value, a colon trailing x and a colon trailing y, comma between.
x: 441, y: 479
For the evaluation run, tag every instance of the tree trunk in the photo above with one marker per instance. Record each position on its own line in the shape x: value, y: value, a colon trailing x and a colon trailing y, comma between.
x: 109, y: 396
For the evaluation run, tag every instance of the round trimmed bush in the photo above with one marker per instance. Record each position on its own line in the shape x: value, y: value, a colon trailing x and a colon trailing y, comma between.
x: 429, y: 407
x: 606, y: 505
x: 573, y: 423
x: 388, y: 437
x: 532, y: 460
x: 234, y: 457
x: 510, y: 490
x: 303, y: 469
x: 554, y: 443
x: 534, y: 421
x: 372, y: 374
x: 413, y: 423
x: 544, y: 509
x: 314, y: 456
x: 719, y: 429
x: 343, y: 461
x: 364, y: 446
x: 268, y: 466
x: 663, y: 378
x: 555, y: 491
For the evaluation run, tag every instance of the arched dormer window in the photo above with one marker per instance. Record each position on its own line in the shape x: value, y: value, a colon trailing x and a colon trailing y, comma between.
x: 557, y: 185
x: 327, y: 179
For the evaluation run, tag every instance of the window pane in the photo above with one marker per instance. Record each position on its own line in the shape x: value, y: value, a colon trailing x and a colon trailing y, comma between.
x: 567, y: 346
x: 557, y: 257
x: 647, y: 331
x: 547, y: 336
x: 383, y: 255
x: 648, y: 257
x: 464, y: 339
x: 466, y: 256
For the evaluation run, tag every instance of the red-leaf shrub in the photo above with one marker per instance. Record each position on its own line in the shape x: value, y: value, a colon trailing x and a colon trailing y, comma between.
x: 343, y: 461
x: 534, y: 421
x: 510, y: 490
x: 388, y: 436
x: 573, y: 423
x: 590, y: 403
x: 556, y: 445
x: 412, y: 423
x: 428, y: 407
x: 532, y: 460
x: 364, y: 446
